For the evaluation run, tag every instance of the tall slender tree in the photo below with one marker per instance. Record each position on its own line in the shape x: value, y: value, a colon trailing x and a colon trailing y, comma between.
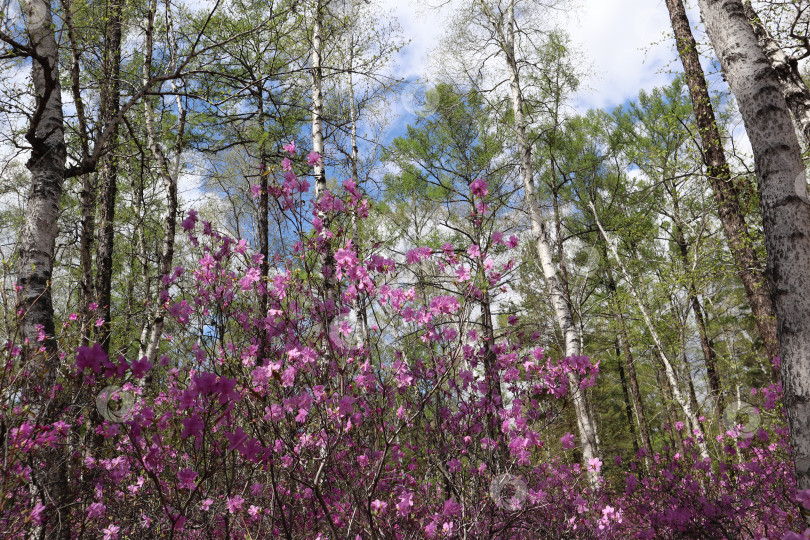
x: 784, y: 203
x: 735, y: 228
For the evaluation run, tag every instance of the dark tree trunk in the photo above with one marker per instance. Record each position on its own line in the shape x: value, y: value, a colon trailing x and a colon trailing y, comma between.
x: 108, y: 176
x: 264, y: 245
x: 628, y: 406
x: 739, y: 239
x: 630, y: 367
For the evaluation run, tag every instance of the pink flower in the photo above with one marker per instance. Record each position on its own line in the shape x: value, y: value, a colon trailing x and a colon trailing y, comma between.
x: 418, y: 255
x: 111, y: 532
x: 463, y: 273
x: 187, y: 477
x: 405, y: 503
x: 190, y: 221
x: 290, y: 148
x: 96, y: 510
x: 140, y: 367
x: 206, y: 504
x: 512, y: 242
x: 313, y: 158
x: 192, y: 426
x: 234, y: 504
x: 255, y: 190
x: 90, y: 357
x: 444, y: 305
x: 567, y: 441
x: 479, y: 188
x: 36, y: 513
x: 595, y: 464
x: 286, y: 164
x: 251, y: 276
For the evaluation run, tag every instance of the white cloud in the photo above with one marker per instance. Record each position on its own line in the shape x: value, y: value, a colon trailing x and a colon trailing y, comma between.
x: 627, y: 46
x: 624, y: 45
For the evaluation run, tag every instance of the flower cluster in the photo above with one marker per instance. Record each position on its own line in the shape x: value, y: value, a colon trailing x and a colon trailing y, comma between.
x: 275, y: 424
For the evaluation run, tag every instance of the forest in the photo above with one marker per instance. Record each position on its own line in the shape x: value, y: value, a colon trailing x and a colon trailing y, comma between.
x: 257, y: 281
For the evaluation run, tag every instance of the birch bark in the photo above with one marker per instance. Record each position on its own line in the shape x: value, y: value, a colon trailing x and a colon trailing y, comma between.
x: 562, y: 311
x: 784, y: 203
x: 47, y: 165
x: 46, y: 136
x: 796, y: 93
x: 169, y: 173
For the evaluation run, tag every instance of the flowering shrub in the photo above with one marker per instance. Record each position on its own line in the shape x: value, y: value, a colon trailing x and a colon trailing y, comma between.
x: 430, y: 427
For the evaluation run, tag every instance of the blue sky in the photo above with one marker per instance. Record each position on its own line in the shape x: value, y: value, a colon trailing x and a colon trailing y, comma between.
x: 625, y: 46
x: 622, y: 43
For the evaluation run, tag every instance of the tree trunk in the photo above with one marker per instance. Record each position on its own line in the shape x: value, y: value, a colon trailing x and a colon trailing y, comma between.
x: 672, y: 415
x: 264, y: 202
x: 687, y: 374
x: 87, y: 200
x: 36, y: 250
x: 796, y: 93
x: 330, y: 283
x: 317, y: 100
x: 739, y: 239
x: 669, y: 370
x: 628, y: 406
x: 630, y: 367
x: 108, y: 176
x: 169, y: 176
x: 360, y: 305
x: 784, y: 203
x: 706, y: 343
x: 87, y: 196
x: 585, y: 424
x: 46, y: 164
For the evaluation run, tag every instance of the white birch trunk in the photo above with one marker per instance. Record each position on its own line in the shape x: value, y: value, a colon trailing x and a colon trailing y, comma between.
x: 317, y: 100
x: 784, y: 204
x: 47, y: 166
x: 36, y: 251
x: 169, y: 174
x: 562, y: 312
x: 669, y: 370
x: 796, y: 93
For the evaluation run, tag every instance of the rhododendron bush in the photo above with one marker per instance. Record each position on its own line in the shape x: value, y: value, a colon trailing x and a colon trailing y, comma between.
x: 429, y: 427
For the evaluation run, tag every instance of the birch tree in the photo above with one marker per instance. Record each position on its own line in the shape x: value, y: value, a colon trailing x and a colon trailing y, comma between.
x: 669, y: 369
x: 502, y: 46
x: 735, y: 228
x: 784, y: 203
x: 169, y: 173
x: 786, y: 67
x: 46, y: 136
